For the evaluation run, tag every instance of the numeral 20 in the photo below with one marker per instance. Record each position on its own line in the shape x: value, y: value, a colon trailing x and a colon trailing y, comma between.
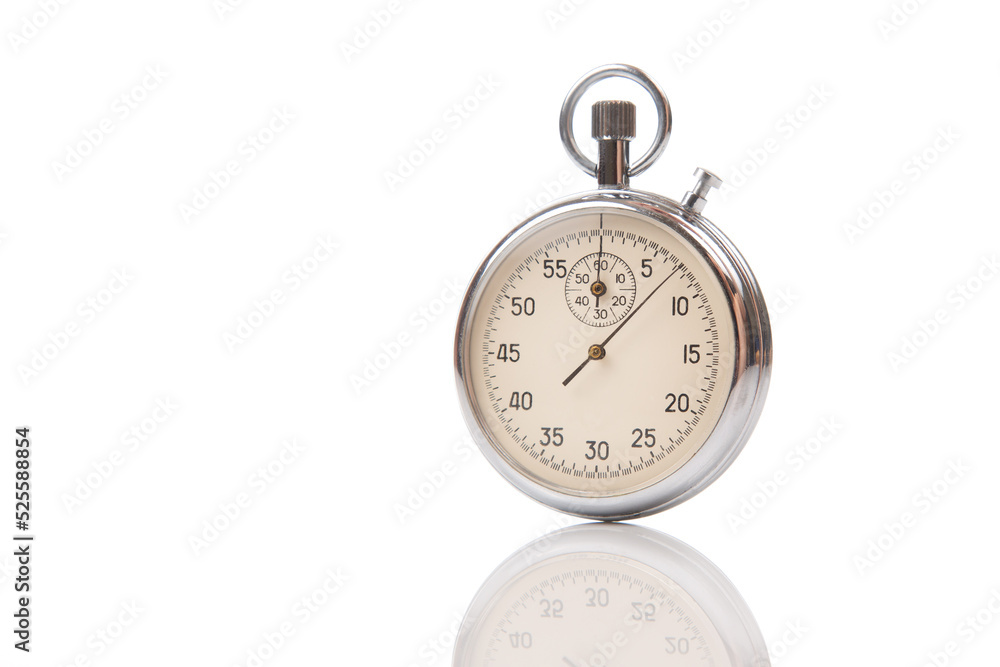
x: 677, y: 403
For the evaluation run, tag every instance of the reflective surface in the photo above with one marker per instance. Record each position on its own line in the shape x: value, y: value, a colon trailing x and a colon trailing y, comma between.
x: 611, y: 595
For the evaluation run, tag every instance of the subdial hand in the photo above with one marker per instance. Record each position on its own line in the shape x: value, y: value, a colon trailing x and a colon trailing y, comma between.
x: 598, y: 351
x: 598, y: 288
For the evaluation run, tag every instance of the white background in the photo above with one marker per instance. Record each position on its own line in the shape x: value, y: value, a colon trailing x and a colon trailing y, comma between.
x: 844, y: 298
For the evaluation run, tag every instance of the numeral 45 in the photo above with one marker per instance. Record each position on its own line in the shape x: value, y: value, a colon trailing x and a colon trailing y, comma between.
x: 508, y: 352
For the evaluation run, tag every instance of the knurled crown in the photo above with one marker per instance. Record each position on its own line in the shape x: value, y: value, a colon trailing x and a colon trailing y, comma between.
x: 612, y: 119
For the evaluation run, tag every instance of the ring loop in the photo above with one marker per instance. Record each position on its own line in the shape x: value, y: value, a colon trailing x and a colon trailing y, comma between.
x: 663, y: 124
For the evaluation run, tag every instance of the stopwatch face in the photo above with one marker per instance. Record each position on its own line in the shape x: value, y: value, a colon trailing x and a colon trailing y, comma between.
x: 599, y: 350
x: 646, y: 600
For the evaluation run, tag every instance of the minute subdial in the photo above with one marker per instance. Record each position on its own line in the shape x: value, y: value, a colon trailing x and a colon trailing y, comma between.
x: 600, y: 289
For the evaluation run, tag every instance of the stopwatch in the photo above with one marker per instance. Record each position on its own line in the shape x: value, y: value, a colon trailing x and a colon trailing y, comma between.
x: 611, y: 595
x: 613, y: 351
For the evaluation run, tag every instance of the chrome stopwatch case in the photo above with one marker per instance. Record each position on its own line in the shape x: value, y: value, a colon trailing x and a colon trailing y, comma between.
x: 613, y: 351
x: 614, y: 595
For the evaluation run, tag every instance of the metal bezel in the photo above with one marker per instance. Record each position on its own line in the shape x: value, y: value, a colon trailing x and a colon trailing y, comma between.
x: 697, y: 576
x: 751, y: 367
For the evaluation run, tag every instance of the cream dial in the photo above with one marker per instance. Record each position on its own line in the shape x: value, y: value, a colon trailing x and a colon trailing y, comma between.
x: 594, y: 403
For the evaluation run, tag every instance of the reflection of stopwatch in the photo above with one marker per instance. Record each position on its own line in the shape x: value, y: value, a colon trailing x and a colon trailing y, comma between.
x: 614, y: 595
x: 613, y: 351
